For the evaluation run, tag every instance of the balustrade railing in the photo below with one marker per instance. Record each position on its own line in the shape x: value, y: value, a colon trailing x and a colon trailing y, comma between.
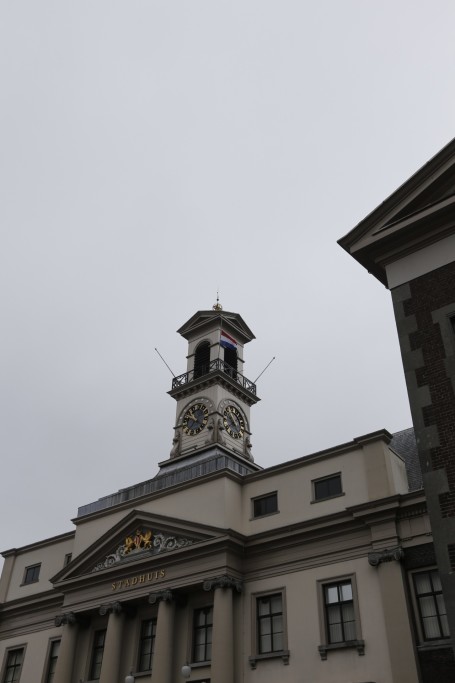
x: 215, y: 365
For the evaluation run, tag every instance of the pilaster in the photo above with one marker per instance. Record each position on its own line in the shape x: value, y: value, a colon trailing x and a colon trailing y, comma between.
x: 110, y: 667
x: 65, y: 662
x: 223, y: 656
x: 162, y: 659
x: 393, y: 592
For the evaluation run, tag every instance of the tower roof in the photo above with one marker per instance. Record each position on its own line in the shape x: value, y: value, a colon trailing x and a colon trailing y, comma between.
x: 204, y: 320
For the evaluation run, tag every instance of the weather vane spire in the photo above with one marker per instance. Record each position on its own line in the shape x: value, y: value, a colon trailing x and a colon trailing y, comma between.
x: 217, y: 306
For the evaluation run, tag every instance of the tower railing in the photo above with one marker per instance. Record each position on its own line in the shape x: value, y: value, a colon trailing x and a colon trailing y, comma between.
x: 216, y: 365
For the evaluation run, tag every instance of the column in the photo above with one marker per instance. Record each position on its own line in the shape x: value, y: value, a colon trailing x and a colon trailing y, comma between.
x: 65, y: 661
x: 163, y: 655
x: 396, y: 616
x: 222, y: 670
x: 110, y: 667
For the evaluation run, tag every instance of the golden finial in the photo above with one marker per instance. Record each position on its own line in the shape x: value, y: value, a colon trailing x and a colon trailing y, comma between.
x: 217, y: 306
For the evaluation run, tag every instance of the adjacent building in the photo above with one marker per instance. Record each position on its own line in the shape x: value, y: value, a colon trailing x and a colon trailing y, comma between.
x: 408, y: 244
x: 319, y: 569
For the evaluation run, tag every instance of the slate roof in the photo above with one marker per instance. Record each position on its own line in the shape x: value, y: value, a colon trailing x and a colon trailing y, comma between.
x: 404, y: 444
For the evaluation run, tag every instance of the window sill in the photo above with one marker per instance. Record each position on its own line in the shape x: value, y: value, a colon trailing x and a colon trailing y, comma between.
x: 358, y: 644
x: 322, y: 500
x: 266, y: 514
x: 199, y: 665
x: 142, y: 674
x: 438, y: 644
x: 283, y: 654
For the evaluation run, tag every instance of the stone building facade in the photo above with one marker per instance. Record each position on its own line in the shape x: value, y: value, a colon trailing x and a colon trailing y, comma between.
x: 318, y: 569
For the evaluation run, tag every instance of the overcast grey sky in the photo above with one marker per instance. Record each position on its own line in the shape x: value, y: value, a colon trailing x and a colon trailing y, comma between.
x: 152, y: 152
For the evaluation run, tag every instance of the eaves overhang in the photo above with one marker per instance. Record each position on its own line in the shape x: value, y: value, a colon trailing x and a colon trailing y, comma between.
x: 420, y: 212
x: 204, y: 320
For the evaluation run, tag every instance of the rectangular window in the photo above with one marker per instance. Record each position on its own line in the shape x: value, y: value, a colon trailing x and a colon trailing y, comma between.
x: 67, y: 559
x: 13, y: 666
x: 432, y: 611
x: 147, y: 645
x: 97, y: 654
x: 52, y: 660
x: 339, y: 612
x: 269, y: 615
x: 265, y: 505
x: 328, y: 487
x: 31, y: 574
x: 202, y: 634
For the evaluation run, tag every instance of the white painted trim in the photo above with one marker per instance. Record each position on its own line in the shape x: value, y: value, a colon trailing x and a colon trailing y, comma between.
x: 421, y: 262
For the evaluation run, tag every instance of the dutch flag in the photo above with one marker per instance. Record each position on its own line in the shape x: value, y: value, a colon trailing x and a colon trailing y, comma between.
x: 227, y: 342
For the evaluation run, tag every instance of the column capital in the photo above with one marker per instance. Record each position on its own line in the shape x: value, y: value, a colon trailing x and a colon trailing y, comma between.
x: 386, y: 555
x: 223, y: 581
x: 161, y: 596
x: 111, y: 608
x: 65, y: 618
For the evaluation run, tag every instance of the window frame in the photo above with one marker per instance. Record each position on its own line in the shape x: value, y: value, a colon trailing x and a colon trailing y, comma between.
x: 423, y: 640
x: 8, y: 652
x: 326, y: 645
x: 256, y: 655
x: 93, y: 650
x: 320, y: 480
x: 142, y: 640
x: 197, y: 610
x: 262, y: 497
x: 50, y: 657
x: 31, y: 568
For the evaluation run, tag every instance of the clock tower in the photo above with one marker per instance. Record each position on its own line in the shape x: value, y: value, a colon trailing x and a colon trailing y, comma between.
x: 213, y: 396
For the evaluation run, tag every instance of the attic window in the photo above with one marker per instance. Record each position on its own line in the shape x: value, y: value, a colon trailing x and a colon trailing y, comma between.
x: 328, y: 487
x: 265, y: 505
x: 31, y: 574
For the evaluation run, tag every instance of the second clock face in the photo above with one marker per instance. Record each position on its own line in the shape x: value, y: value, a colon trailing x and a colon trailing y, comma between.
x: 195, y: 419
x: 233, y: 422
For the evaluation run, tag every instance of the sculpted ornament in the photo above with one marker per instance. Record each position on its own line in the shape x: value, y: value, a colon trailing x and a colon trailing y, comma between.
x: 140, y: 542
x: 386, y: 555
x: 175, y: 450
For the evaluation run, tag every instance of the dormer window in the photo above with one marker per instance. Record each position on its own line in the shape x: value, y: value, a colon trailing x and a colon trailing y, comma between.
x: 202, y: 359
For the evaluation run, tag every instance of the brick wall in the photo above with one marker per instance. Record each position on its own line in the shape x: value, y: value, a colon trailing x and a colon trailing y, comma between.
x: 429, y: 294
x: 437, y: 666
x: 424, y: 309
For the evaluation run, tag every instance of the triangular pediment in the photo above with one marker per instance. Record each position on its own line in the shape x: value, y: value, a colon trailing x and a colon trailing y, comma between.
x: 203, y: 321
x: 418, y: 213
x: 138, y: 536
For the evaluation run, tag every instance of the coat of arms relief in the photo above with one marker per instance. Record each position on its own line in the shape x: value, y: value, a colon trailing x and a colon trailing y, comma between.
x: 140, y: 541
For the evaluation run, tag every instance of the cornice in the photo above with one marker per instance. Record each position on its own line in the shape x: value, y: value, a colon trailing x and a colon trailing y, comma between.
x: 356, y: 444
x: 39, y: 544
x: 33, y: 603
x: 404, y: 191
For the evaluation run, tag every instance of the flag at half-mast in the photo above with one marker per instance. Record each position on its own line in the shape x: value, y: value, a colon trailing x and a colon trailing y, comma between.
x: 227, y: 342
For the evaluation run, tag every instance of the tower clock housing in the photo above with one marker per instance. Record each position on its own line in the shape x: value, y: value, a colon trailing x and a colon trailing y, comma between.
x: 214, y: 396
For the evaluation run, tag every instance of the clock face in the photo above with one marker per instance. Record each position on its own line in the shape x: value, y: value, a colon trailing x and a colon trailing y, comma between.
x: 233, y: 422
x: 195, y: 419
